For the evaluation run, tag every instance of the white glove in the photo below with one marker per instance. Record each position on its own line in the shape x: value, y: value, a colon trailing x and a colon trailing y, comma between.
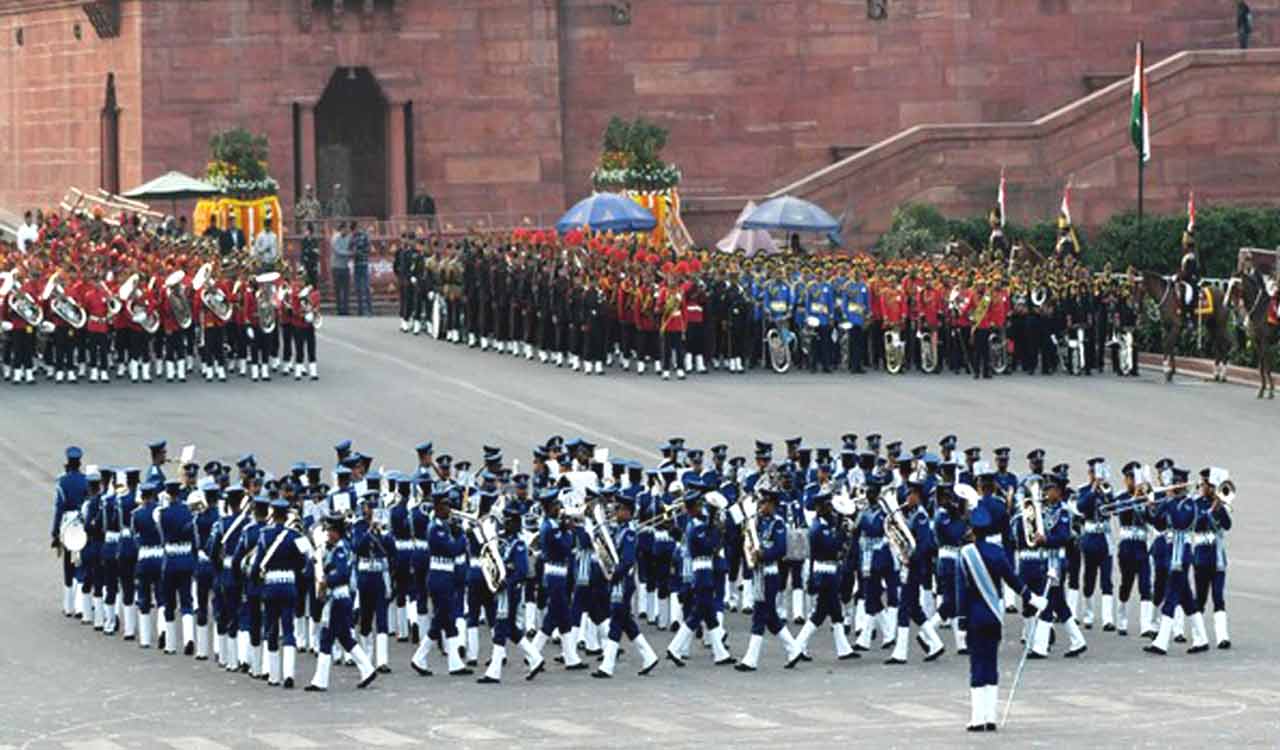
x: 248, y: 331
x: 1039, y: 602
x: 6, y: 326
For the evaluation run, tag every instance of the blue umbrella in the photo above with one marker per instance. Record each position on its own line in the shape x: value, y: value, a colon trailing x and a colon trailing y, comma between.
x: 792, y: 215
x: 604, y: 212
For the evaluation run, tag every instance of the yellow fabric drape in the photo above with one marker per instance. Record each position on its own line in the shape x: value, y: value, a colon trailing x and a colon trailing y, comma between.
x: 250, y: 215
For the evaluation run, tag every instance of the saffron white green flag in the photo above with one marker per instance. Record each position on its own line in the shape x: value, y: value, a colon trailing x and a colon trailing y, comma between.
x: 1139, y: 123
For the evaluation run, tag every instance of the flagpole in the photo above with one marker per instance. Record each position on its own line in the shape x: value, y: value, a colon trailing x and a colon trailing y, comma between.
x: 1141, y: 161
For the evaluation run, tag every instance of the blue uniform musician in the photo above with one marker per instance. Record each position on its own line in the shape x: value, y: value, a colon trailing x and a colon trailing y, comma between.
x: 91, y: 588
x: 916, y: 577
x: 373, y: 549
x: 221, y: 545
x: 878, y: 570
x: 556, y: 540
x: 68, y: 495
x: 1178, y: 514
x: 983, y: 567
x: 203, y: 503
x: 278, y: 558
x: 1095, y: 543
x: 400, y: 520
x: 249, y: 629
x: 445, y: 541
x: 950, y: 523
x: 826, y: 547
x: 621, y: 590
x: 1133, y: 555
x: 1208, y: 541
x: 334, y: 581
x: 177, y: 528
x: 701, y: 544
x: 146, y: 531
x: 504, y: 603
x: 771, y: 534
x: 1057, y: 535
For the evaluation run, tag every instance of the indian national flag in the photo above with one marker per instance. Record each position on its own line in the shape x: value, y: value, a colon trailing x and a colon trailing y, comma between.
x: 1139, y: 123
x: 1066, y: 202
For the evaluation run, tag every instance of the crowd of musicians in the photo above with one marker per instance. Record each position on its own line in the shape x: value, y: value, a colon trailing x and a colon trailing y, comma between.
x: 866, y: 540
x: 589, y: 301
x: 88, y: 300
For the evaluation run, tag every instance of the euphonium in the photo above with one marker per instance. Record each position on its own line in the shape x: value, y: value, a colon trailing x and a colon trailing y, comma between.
x: 26, y: 307
x: 309, y: 313
x: 1032, y: 512
x: 179, y: 305
x: 896, y: 530
x: 602, y: 541
x: 265, y: 298
x: 62, y: 305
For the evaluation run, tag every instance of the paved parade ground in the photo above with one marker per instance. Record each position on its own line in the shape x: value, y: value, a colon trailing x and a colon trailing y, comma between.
x: 65, y: 686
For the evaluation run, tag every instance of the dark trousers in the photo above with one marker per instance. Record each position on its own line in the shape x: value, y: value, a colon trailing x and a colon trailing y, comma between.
x: 342, y: 289
x: 981, y: 361
x: 304, y: 344
x: 364, y: 295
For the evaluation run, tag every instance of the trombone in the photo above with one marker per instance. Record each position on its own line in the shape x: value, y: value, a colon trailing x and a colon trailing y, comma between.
x: 668, y: 513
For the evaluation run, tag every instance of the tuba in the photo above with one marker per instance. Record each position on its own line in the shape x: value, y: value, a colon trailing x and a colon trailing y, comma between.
x: 492, y: 566
x: 743, y: 512
x: 179, y: 305
x: 210, y: 295
x: 597, y: 528
x: 928, y: 348
x: 896, y: 530
x: 26, y: 306
x: 62, y: 305
x: 265, y: 297
x: 894, y: 351
x: 309, y: 312
x: 138, y: 312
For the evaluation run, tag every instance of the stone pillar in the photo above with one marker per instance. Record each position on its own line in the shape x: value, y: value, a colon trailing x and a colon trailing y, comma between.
x: 307, y: 144
x: 397, y: 169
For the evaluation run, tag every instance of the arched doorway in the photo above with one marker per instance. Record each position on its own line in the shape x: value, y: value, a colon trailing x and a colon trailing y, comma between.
x: 351, y: 148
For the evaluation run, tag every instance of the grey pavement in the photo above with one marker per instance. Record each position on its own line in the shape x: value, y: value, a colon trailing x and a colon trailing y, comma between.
x: 65, y: 686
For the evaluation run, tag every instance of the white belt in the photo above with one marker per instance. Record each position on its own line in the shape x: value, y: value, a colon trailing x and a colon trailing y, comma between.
x: 1201, y: 538
x: 460, y: 559
x: 203, y: 556
x: 421, y: 544
x: 661, y: 536
x: 1168, y: 535
x: 1133, y: 532
x: 279, y: 576
x: 150, y: 553
x: 702, y: 563
x: 126, y: 533
x: 771, y: 569
x: 177, y: 548
x: 824, y: 567
x: 341, y: 592
x: 405, y: 544
x: 442, y: 564
x: 371, y: 566
x: 1032, y: 554
x: 947, y: 553
x: 226, y: 563
x: 1095, y: 527
x: 994, y: 539
x: 554, y: 569
x: 112, y: 537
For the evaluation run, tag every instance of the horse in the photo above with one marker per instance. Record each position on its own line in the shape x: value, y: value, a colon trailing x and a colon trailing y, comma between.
x: 1024, y: 255
x: 1250, y: 294
x: 958, y: 251
x: 1167, y: 294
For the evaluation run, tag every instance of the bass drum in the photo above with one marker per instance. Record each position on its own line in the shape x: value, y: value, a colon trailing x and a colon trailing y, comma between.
x: 1000, y: 362
x: 779, y: 352
x: 72, y: 535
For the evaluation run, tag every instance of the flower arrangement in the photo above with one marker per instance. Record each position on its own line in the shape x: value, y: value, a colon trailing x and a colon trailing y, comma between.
x: 239, y: 164
x: 630, y: 158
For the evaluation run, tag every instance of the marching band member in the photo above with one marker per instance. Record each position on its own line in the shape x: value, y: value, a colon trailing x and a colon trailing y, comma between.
x: 701, y: 541
x: 826, y: 539
x: 502, y: 607
x: 203, y: 525
x: 69, y: 493
x: 91, y: 585
x: 1133, y: 556
x: 445, y: 541
x: 335, y: 583
x: 277, y: 562
x: 146, y: 530
x: 949, y: 526
x: 878, y: 570
x: 982, y: 569
x: 249, y: 632
x: 765, y: 582
x: 1180, y: 514
x: 1057, y: 524
x: 555, y: 540
x: 223, y: 540
x: 1095, y: 543
x: 621, y: 591
x: 914, y: 579
x: 177, y: 530
x: 1213, y: 519
x: 372, y: 548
